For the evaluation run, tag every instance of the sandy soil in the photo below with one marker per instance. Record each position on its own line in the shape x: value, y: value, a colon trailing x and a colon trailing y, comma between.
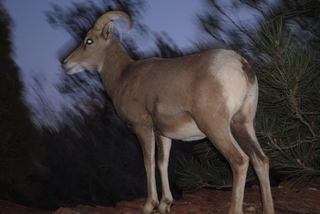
x: 302, y: 198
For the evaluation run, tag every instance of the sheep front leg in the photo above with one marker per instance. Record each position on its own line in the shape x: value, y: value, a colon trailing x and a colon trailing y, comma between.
x: 164, y: 146
x: 147, y: 142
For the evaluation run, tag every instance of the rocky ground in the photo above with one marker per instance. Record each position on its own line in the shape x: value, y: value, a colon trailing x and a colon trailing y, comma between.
x: 302, y: 198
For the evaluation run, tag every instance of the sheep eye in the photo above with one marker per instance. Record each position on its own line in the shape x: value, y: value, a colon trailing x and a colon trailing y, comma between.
x: 89, y: 41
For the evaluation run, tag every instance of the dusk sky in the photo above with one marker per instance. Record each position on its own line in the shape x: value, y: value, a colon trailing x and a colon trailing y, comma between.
x: 37, y: 46
x: 36, y: 42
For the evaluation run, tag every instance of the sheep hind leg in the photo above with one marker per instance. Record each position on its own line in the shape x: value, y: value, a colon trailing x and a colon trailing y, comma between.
x: 164, y: 146
x: 244, y: 133
x: 239, y: 163
x: 220, y: 136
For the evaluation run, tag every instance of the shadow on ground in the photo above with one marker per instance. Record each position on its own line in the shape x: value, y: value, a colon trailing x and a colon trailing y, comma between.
x: 300, y: 198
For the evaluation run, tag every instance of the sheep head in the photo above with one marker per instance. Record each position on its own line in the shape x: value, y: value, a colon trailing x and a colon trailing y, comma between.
x: 89, y: 55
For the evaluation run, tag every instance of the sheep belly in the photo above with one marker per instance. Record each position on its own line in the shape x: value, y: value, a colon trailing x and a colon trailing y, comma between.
x: 186, y: 132
x: 179, y: 129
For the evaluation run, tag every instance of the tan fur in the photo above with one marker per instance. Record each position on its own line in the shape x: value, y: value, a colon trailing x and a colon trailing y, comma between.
x: 212, y: 94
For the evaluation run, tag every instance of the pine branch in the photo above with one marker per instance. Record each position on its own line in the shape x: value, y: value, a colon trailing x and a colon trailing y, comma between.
x: 297, y: 110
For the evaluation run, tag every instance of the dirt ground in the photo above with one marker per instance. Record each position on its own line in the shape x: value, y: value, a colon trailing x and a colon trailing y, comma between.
x: 302, y: 198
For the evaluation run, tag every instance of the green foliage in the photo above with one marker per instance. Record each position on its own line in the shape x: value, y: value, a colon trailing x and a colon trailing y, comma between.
x: 284, y: 49
x: 288, y: 114
x: 203, y: 173
x: 299, y: 163
x: 20, y: 146
x: 208, y: 169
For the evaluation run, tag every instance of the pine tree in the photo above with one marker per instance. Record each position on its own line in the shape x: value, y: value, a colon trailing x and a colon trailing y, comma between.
x: 20, y: 145
x: 92, y: 157
x: 283, y: 46
x: 288, y: 114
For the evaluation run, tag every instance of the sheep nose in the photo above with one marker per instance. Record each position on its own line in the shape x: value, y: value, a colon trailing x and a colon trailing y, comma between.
x: 64, y: 64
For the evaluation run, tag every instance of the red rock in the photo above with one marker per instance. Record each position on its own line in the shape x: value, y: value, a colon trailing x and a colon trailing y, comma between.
x: 302, y: 198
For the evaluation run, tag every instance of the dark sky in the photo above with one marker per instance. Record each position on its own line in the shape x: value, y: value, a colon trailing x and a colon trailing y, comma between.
x: 36, y: 42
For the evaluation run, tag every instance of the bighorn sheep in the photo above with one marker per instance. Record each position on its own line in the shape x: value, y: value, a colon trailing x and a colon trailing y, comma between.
x: 212, y: 94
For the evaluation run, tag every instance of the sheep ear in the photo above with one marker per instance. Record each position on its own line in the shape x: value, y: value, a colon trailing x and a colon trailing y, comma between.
x: 108, y: 30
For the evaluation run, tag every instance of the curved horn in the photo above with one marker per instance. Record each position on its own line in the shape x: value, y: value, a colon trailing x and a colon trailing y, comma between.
x: 107, y: 17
